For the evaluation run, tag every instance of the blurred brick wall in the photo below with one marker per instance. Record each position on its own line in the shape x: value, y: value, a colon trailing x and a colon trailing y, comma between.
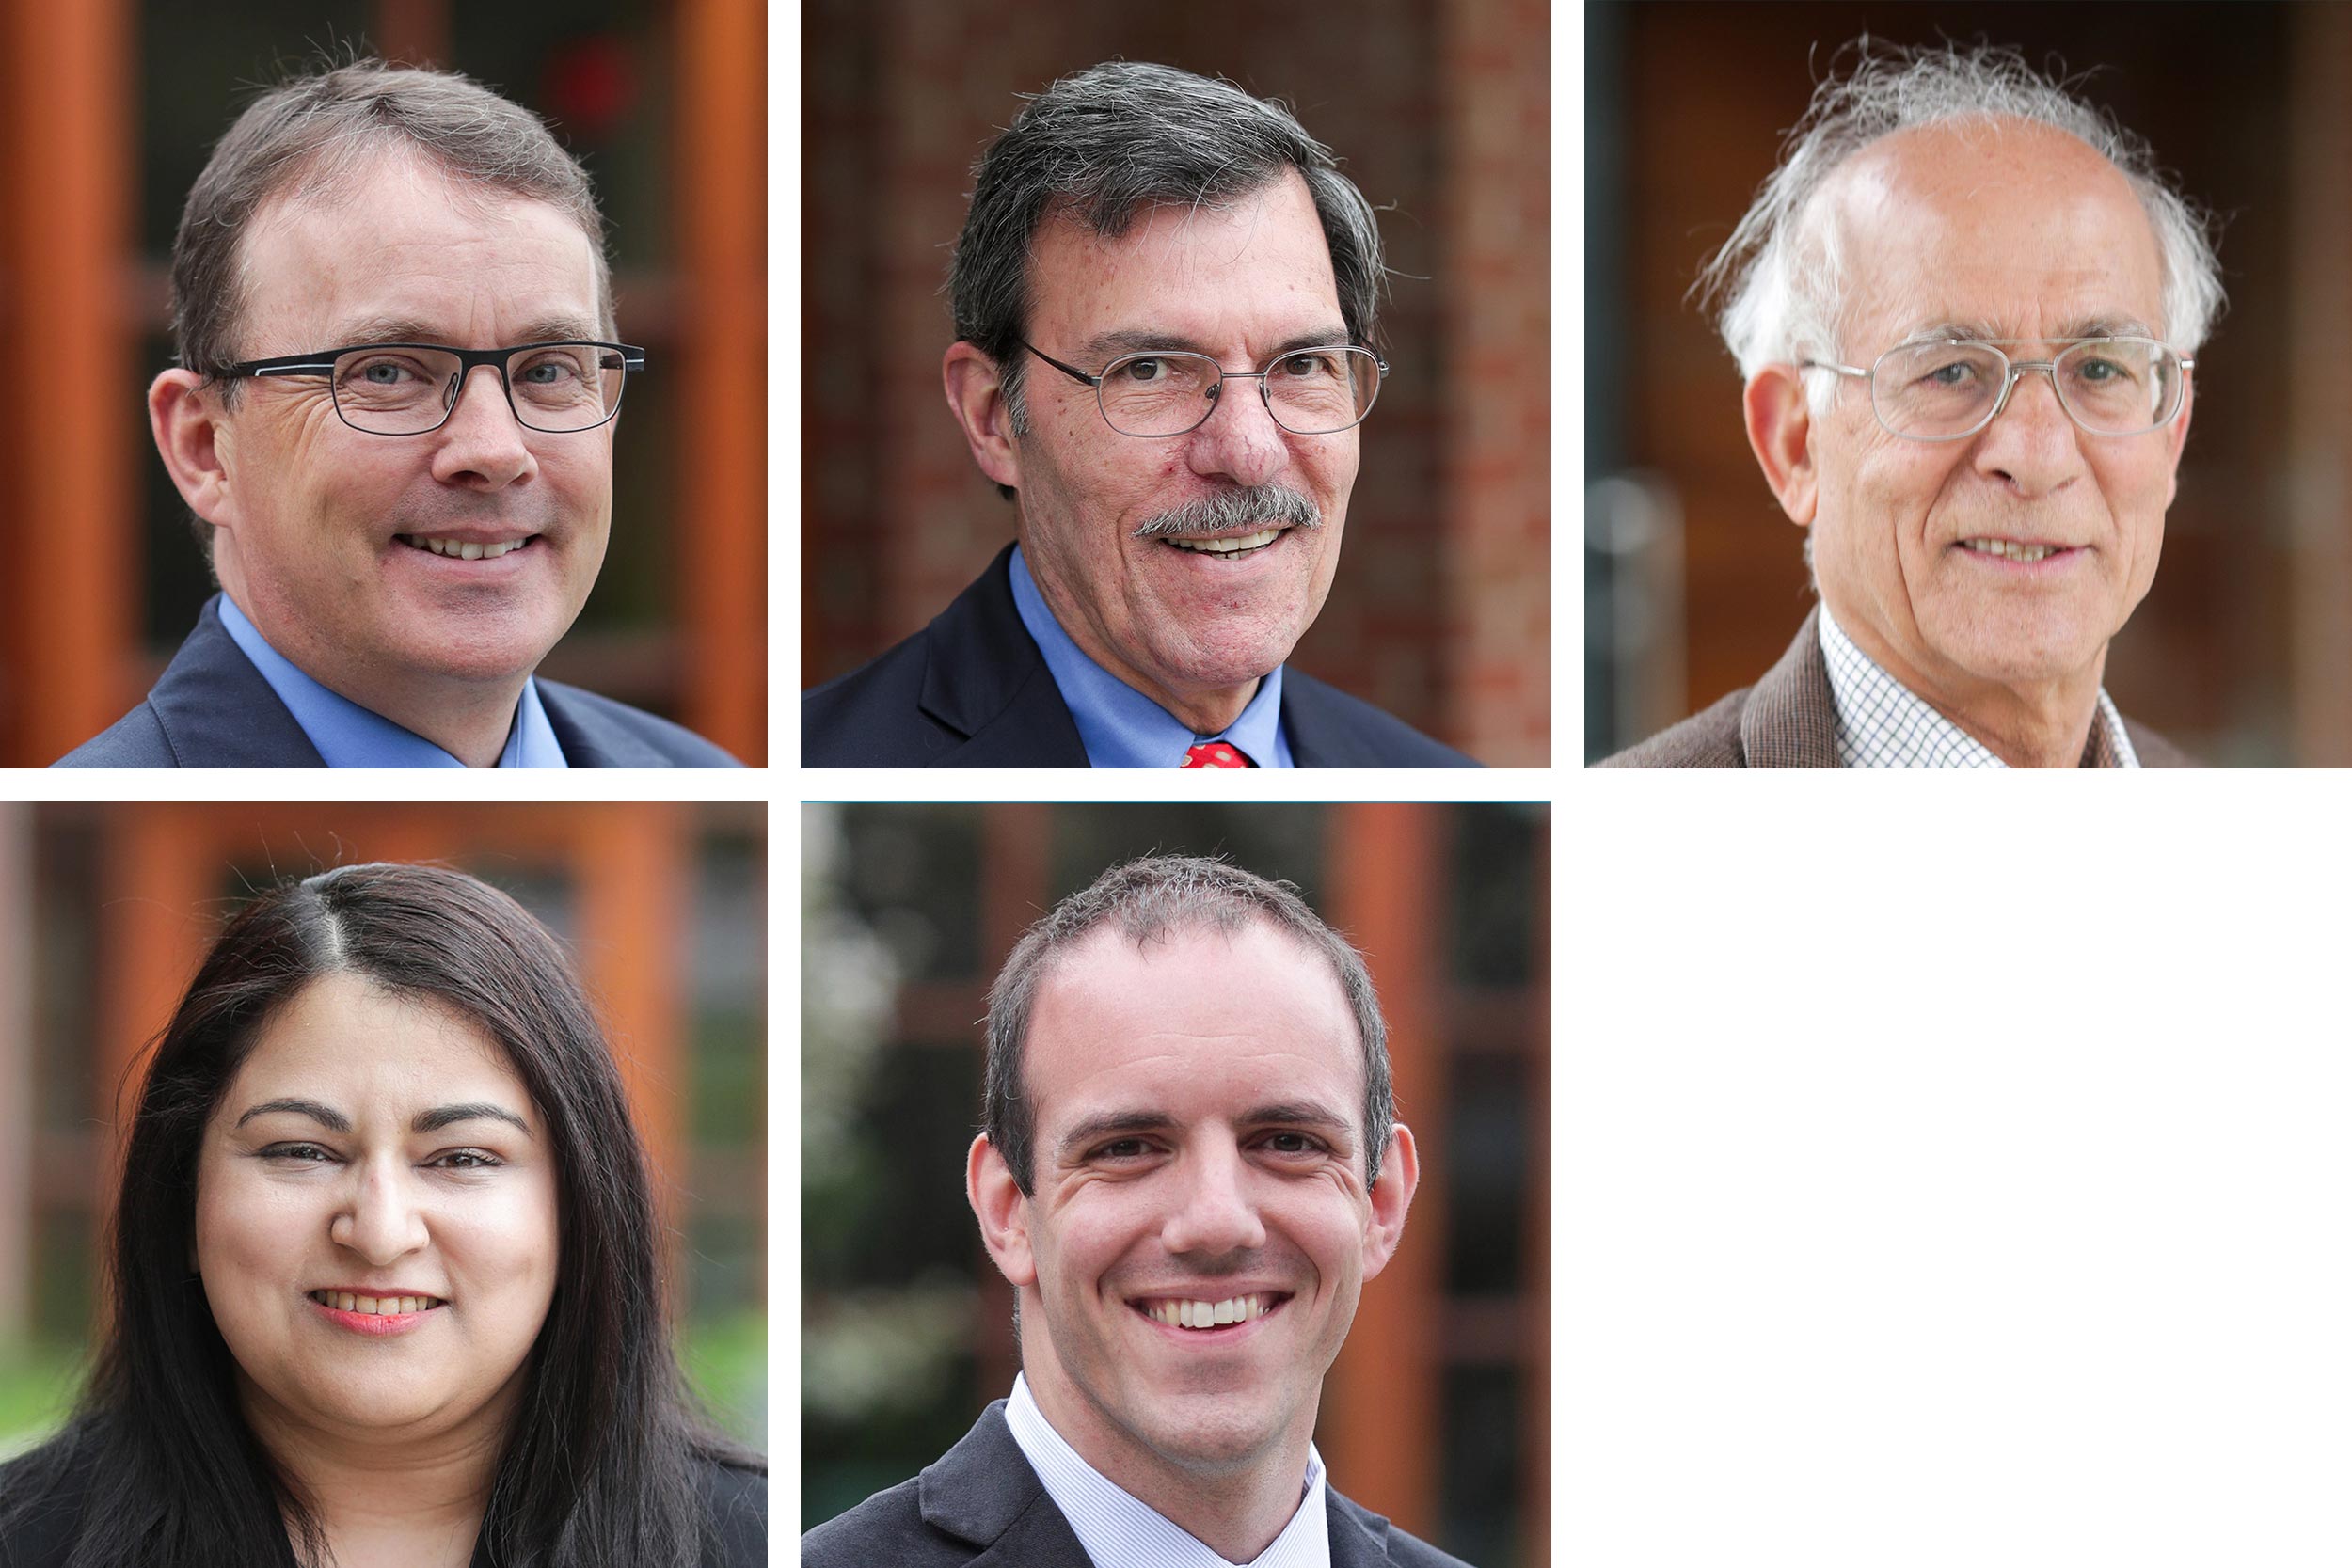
x: 1441, y: 112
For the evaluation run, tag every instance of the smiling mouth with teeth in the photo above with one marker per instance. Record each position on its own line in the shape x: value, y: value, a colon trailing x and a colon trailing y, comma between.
x: 376, y: 1307
x: 454, y: 550
x: 1229, y: 545
x: 1178, y: 1313
x: 2007, y: 550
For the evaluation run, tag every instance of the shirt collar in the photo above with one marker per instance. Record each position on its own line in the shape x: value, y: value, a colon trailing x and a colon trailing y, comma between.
x: 1119, y: 1531
x: 1884, y: 723
x: 348, y: 736
x: 1120, y: 726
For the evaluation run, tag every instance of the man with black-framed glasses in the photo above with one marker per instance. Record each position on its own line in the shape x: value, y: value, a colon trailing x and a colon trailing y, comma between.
x: 391, y: 421
x: 1165, y: 296
x: 1966, y: 307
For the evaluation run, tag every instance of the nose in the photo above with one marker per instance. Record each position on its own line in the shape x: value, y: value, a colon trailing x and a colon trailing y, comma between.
x: 379, y: 1219
x: 1213, y: 1214
x: 482, y: 446
x: 2032, y: 444
x: 1239, y: 440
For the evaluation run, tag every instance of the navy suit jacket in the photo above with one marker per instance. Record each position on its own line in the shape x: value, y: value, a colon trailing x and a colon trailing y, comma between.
x: 982, y: 1506
x: 212, y: 709
x: 972, y: 690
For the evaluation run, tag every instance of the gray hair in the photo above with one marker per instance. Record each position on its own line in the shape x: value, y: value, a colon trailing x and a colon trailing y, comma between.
x: 1101, y: 144
x: 1148, y: 900
x: 1780, y: 276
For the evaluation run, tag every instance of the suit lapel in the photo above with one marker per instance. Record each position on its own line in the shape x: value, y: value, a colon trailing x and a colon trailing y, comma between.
x: 589, y: 739
x: 1309, y: 718
x: 983, y: 1490
x: 1790, y: 717
x: 217, y: 711
x: 984, y: 679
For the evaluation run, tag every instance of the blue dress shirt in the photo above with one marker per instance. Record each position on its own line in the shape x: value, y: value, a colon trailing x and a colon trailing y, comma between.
x: 1120, y: 726
x: 349, y: 736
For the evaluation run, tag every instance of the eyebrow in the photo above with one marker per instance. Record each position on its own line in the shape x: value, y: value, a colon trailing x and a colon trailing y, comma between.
x: 1296, y: 1113
x: 2087, y: 326
x: 1106, y: 346
x: 408, y: 329
x: 426, y: 1121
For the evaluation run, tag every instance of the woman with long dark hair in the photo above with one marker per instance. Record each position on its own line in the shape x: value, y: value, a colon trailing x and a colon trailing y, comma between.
x: 385, y: 1271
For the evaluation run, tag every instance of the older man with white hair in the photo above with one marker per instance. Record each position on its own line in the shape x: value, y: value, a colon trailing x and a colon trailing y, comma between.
x: 1965, y: 306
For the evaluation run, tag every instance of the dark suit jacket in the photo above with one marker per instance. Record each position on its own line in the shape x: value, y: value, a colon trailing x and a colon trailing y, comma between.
x: 212, y: 709
x: 734, y: 1504
x: 982, y: 1505
x: 972, y: 690
x: 1790, y: 719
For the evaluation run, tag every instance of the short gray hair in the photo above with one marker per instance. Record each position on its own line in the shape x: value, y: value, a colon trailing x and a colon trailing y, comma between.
x: 1780, y: 276
x: 1148, y: 900
x: 1103, y: 144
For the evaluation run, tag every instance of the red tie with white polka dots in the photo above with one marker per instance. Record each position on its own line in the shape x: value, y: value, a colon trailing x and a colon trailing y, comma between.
x: 1216, y: 753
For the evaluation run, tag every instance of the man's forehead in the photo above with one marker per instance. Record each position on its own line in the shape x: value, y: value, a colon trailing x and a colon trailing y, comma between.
x: 1989, y: 229
x: 1176, y: 259
x: 1192, y: 999
x: 393, y: 217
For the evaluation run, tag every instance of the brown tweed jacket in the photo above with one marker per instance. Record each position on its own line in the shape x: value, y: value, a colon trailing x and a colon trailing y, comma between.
x: 1790, y: 719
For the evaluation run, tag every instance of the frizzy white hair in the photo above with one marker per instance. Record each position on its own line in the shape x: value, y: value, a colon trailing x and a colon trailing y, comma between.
x: 1779, y: 278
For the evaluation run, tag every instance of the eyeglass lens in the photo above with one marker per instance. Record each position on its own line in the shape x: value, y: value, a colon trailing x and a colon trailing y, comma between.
x: 1314, y: 392
x: 407, y: 391
x: 2112, y: 386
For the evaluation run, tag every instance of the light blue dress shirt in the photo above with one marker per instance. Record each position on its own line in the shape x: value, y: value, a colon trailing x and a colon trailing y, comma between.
x: 1120, y: 726
x: 348, y: 736
x: 1119, y: 1532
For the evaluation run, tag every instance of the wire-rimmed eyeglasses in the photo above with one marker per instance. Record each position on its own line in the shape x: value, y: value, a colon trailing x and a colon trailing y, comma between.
x: 1309, y: 391
x: 1949, y: 389
x: 412, y: 388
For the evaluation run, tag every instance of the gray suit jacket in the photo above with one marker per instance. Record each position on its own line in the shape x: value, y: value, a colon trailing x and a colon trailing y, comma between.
x: 1790, y: 719
x: 981, y: 1506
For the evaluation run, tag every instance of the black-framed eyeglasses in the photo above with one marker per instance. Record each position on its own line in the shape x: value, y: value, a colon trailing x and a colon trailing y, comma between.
x: 1309, y: 391
x: 1949, y: 389
x: 412, y: 388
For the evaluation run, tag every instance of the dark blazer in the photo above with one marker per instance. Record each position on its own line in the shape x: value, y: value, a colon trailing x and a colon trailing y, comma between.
x: 983, y: 1505
x: 1790, y: 719
x: 734, y: 1501
x: 972, y: 690
x: 212, y: 709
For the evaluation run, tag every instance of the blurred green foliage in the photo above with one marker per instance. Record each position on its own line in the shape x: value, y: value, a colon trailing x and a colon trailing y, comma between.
x: 37, y: 1387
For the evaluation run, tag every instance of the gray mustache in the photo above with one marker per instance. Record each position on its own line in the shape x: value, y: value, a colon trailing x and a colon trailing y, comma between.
x: 1235, y: 511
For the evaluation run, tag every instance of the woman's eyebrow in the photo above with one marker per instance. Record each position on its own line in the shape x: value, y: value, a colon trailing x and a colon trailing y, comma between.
x: 325, y: 1116
x: 480, y: 1110
x: 426, y: 1121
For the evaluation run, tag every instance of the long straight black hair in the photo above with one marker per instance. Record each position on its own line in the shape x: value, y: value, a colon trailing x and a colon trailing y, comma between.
x: 600, y: 1469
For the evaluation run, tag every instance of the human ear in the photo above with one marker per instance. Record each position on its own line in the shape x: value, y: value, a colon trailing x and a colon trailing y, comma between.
x: 976, y: 395
x: 186, y: 417
x: 1002, y: 1210
x: 1780, y: 429
x: 1400, y: 1172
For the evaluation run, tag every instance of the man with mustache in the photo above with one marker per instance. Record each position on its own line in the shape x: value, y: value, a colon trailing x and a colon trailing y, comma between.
x: 1966, y: 307
x: 1165, y: 299
x: 1189, y: 1189
x: 391, y: 420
